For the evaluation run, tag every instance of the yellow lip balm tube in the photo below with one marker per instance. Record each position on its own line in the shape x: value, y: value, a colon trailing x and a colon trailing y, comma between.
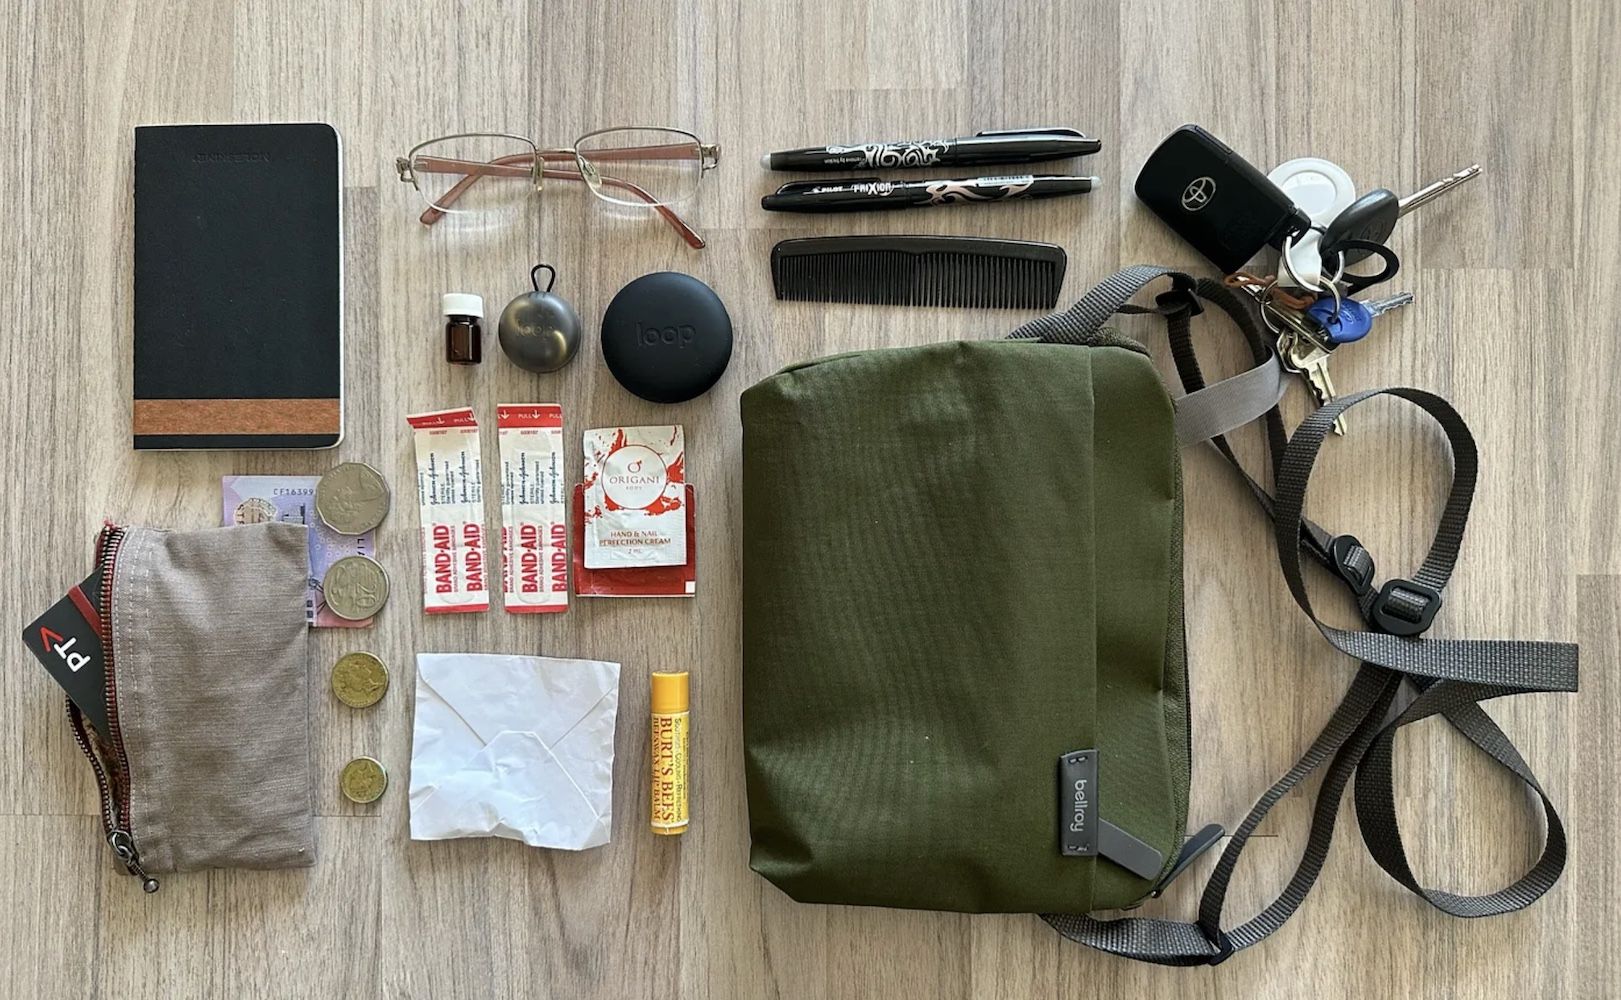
x: 669, y: 772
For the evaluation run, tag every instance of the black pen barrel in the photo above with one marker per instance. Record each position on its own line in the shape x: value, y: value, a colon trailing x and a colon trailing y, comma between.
x: 984, y: 152
x: 1058, y: 187
x: 972, y: 151
x: 874, y: 196
x: 852, y: 200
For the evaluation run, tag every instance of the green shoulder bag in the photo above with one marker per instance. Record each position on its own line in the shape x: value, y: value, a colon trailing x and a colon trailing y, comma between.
x: 965, y: 669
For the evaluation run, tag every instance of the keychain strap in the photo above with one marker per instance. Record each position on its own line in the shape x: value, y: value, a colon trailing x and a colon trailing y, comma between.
x: 1451, y: 677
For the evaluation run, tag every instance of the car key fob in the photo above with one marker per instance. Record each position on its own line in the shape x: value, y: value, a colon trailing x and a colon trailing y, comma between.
x: 1215, y: 199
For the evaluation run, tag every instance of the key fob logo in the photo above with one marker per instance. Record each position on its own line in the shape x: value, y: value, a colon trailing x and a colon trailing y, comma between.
x: 1198, y: 193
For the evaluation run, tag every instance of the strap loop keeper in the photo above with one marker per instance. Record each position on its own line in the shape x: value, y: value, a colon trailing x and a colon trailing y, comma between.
x: 1218, y: 940
x: 1182, y: 298
x: 1404, y: 607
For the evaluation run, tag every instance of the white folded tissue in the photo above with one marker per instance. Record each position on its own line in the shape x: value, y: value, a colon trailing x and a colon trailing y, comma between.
x: 514, y: 746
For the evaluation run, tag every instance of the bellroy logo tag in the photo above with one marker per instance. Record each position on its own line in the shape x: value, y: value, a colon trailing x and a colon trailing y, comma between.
x: 1077, y: 803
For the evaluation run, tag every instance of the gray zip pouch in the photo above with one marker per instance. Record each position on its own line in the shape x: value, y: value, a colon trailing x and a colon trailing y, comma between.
x: 205, y: 757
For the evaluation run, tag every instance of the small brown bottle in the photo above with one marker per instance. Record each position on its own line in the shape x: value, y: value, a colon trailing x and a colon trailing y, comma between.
x: 464, y: 336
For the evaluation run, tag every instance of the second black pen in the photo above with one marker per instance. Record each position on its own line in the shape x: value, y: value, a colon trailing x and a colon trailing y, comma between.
x: 870, y: 194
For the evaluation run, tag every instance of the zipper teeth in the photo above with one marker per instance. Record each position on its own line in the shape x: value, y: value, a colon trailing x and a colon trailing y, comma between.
x: 109, y: 806
x: 114, y: 787
x: 112, y: 539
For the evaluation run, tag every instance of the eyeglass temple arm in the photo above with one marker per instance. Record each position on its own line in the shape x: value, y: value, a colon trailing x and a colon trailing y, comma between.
x: 505, y: 166
x: 451, y: 165
x: 671, y: 151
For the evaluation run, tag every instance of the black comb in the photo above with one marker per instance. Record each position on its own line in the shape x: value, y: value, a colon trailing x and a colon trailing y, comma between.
x: 920, y: 271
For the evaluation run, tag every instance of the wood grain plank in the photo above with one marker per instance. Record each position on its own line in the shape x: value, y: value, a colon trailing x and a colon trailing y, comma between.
x: 46, y: 174
x: 1496, y: 85
x: 1521, y: 87
x: 1595, y: 954
x: 324, y: 921
x: 1595, y: 405
x: 51, y: 906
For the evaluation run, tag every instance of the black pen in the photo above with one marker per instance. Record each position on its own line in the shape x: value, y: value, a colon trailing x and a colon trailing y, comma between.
x: 867, y: 194
x: 1026, y: 145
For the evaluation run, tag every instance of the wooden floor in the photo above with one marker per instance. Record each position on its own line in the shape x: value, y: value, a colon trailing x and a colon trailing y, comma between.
x: 1514, y: 321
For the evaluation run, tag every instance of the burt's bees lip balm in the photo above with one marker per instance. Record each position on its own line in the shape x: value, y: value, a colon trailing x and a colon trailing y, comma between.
x: 669, y: 772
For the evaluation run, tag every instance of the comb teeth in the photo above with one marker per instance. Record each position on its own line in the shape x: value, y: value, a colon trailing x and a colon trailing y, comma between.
x: 966, y: 271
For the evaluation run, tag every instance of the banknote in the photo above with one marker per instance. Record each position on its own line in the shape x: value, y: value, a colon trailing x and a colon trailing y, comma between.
x: 251, y: 499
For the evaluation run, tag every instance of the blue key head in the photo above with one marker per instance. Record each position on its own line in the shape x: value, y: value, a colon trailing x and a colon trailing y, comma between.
x: 1352, y: 324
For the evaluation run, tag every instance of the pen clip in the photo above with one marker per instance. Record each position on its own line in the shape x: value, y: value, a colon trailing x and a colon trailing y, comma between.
x: 1033, y: 131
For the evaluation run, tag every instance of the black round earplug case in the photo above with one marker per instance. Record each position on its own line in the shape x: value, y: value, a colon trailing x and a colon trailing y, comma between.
x: 666, y: 337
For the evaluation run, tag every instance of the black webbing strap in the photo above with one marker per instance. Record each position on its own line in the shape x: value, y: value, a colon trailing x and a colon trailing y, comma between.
x: 1452, y: 676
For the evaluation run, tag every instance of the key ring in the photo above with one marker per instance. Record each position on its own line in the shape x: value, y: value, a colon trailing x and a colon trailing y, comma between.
x: 1267, y: 309
x: 1267, y: 294
x: 1283, y: 258
x: 1266, y: 288
x: 1262, y: 289
x: 1334, y: 288
x: 1332, y: 283
x: 1358, y: 282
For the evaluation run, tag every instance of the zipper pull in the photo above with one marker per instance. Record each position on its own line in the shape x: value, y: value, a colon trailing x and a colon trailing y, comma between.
x: 123, y: 845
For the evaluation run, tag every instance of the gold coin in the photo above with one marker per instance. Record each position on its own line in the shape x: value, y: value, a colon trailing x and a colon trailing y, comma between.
x: 352, y: 498
x: 359, y: 679
x: 363, y: 780
x: 355, y: 587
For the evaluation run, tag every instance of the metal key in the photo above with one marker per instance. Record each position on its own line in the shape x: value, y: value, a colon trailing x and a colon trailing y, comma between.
x: 1311, y: 360
x: 1429, y: 192
x: 1305, y: 351
x: 1345, y: 321
x: 1373, y: 216
x: 1378, y: 307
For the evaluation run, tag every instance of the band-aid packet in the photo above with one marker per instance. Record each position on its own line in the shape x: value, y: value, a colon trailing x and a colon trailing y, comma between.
x: 450, y: 494
x: 534, y: 527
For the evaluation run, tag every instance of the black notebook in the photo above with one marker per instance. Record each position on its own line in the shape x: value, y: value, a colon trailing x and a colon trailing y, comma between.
x: 238, y: 286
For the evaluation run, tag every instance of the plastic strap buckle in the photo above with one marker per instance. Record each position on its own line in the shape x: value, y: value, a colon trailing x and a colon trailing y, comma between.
x: 1351, y: 563
x: 1404, y: 607
x: 1183, y: 295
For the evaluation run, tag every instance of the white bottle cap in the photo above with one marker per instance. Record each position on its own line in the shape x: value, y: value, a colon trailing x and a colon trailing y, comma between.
x: 462, y: 304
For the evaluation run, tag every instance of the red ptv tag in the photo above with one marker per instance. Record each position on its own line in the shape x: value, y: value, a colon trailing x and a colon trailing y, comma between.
x: 67, y: 640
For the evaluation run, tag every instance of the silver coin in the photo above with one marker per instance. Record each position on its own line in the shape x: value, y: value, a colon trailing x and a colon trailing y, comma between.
x: 352, y: 498
x: 355, y: 587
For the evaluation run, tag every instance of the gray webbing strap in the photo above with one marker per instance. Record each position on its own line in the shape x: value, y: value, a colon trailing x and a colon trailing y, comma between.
x: 1229, y: 404
x: 1203, y: 413
x: 1452, y: 677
